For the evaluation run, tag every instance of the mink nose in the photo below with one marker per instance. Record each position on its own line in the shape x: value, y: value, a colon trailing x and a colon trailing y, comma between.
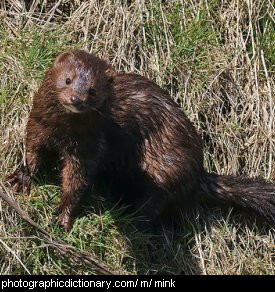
x: 76, y: 100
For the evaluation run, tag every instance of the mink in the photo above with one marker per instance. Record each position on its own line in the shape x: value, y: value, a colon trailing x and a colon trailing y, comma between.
x: 123, y: 128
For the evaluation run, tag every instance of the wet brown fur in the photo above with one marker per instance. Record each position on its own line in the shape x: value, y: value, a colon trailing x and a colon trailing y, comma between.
x: 134, y: 136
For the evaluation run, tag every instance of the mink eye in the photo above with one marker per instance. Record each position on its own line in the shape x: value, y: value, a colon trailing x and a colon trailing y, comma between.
x: 92, y: 91
x: 68, y: 81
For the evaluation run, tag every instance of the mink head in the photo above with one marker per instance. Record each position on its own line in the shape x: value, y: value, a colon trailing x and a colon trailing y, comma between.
x: 82, y: 81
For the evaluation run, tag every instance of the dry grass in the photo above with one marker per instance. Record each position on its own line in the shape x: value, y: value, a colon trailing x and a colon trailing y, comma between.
x: 215, y: 57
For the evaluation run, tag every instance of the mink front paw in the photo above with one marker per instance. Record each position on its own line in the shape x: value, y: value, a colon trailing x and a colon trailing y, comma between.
x: 66, y: 221
x: 65, y: 218
x: 20, y: 180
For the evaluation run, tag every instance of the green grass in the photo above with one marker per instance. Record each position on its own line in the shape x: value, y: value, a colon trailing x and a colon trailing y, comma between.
x: 216, y: 58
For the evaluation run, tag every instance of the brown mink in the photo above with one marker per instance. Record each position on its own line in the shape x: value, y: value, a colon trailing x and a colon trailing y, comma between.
x: 125, y: 128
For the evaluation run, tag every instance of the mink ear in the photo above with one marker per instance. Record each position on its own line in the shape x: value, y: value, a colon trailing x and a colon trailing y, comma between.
x: 111, y: 73
x: 62, y: 57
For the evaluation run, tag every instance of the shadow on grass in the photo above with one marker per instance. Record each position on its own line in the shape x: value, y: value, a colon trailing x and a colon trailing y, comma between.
x: 170, y: 248
x: 166, y: 249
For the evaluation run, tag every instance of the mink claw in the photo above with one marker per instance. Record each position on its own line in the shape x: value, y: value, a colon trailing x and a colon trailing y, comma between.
x: 20, y: 180
x: 66, y: 222
x: 65, y: 219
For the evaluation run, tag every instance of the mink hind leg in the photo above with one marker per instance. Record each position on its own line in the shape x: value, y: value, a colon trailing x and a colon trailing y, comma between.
x: 146, y: 202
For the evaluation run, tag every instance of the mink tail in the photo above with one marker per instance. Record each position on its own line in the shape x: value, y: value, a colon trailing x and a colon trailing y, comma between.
x: 256, y: 195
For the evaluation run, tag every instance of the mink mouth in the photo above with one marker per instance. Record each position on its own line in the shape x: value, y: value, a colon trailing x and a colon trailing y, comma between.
x: 79, y: 108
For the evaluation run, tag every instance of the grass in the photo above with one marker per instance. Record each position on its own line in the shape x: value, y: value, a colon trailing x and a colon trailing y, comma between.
x: 216, y: 58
